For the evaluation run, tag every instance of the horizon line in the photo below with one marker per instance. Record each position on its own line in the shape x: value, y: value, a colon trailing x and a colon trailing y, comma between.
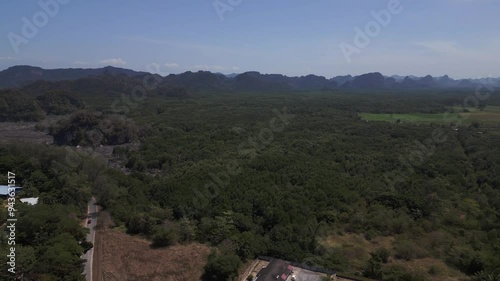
x: 239, y: 73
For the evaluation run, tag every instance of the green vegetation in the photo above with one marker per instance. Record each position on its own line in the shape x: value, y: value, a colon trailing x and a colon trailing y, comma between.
x: 276, y: 173
x: 417, y: 117
x: 325, y: 171
x: 221, y: 267
x: 489, y: 115
x: 59, y: 103
x: 18, y: 105
x: 92, y: 129
x: 49, y: 237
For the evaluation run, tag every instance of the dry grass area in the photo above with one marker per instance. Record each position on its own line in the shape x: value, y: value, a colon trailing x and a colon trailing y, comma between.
x: 355, y: 247
x: 444, y: 273
x: 357, y: 250
x: 26, y: 132
x: 15, y: 132
x: 121, y: 257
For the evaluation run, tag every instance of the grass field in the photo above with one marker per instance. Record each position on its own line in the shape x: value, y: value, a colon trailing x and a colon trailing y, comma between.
x: 489, y: 115
x: 408, y: 117
x: 122, y: 257
x: 357, y: 250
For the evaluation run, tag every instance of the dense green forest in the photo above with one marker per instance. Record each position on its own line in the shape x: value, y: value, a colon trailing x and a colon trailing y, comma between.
x: 271, y: 174
x: 18, y: 105
x: 49, y: 236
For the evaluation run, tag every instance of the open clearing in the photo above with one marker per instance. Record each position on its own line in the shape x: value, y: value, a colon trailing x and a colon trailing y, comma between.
x: 357, y: 250
x: 489, y: 115
x: 16, y: 132
x: 413, y: 117
x: 121, y: 257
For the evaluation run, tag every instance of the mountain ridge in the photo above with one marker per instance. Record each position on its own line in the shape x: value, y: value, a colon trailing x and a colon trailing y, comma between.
x: 23, y: 75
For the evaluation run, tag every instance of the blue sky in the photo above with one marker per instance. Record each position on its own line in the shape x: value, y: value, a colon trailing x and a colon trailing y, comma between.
x: 293, y: 37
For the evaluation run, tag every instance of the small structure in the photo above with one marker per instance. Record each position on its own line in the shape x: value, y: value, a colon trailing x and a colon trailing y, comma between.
x: 30, y: 201
x: 276, y: 270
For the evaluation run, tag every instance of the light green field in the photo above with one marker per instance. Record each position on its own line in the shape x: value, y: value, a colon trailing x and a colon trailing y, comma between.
x: 411, y: 117
x: 489, y: 115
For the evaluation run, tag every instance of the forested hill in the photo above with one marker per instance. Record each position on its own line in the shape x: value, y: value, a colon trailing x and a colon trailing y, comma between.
x: 18, y: 76
x: 21, y: 75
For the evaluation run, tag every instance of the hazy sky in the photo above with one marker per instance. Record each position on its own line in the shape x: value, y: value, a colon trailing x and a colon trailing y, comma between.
x: 293, y: 37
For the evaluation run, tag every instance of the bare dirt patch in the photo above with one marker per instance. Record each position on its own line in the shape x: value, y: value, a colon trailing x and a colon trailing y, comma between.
x: 15, y: 132
x: 38, y: 132
x: 121, y: 257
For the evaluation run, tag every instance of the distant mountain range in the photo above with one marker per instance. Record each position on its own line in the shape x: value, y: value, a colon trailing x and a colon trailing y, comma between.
x: 20, y: 76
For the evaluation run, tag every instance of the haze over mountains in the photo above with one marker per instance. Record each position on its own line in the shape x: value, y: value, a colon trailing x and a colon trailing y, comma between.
x: 18, y: 76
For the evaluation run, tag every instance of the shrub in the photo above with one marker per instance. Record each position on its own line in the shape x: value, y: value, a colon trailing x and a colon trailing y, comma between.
x: 407, y: 250
x: 164, y: 237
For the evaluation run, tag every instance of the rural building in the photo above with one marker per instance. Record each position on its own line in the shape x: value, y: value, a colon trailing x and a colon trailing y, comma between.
x: 276, y: 270
x: 29, y: 201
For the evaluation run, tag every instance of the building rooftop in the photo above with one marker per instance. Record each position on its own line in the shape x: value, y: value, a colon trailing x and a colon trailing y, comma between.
x: 276, y: 270
x: 30, y: 201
